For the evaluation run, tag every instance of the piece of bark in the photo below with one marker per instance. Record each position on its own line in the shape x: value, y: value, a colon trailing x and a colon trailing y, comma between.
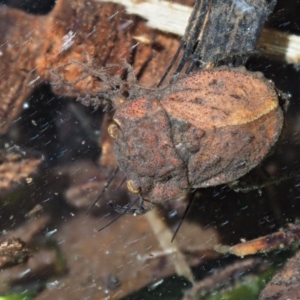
x: 231, y: 27
x: 19, y: 41
x: 219, y: 31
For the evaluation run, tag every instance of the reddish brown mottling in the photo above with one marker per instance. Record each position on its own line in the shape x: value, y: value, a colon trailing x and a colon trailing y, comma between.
x: 206, y: 129
x: 69, y: 47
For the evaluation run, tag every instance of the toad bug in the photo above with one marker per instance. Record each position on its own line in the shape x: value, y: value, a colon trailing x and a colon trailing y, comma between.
x: 205, y: 129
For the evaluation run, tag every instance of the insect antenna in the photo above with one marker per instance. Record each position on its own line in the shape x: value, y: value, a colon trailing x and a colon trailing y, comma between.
x: 106, y: 185
x: 171, y: 63
x: 183, y: 217
x: 120, y: 215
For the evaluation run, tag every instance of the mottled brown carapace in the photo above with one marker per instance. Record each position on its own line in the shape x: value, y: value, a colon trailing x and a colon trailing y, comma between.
x: 205, y: 129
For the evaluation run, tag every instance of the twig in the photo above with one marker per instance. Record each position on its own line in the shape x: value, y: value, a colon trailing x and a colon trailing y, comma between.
x: 164, y: 237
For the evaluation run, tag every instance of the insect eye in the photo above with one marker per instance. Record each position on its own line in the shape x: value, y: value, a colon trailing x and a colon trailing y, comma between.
x: 133, y: 187
x: 113, y: 129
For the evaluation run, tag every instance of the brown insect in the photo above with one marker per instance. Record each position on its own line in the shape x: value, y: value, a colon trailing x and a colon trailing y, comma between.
x: 205, y: 129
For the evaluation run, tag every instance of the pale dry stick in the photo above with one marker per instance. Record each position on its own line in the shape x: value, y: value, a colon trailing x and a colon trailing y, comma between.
x: 281, y: 45
x: 173, y: 18
x: 164, y: 237
x: 162, y: 15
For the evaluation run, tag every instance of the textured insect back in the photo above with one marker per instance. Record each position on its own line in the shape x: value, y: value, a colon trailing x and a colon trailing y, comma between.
x: 235, y: 116
x: 203, y: 130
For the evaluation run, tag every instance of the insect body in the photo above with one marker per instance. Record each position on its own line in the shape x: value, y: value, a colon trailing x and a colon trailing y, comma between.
x: 206, y: 129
